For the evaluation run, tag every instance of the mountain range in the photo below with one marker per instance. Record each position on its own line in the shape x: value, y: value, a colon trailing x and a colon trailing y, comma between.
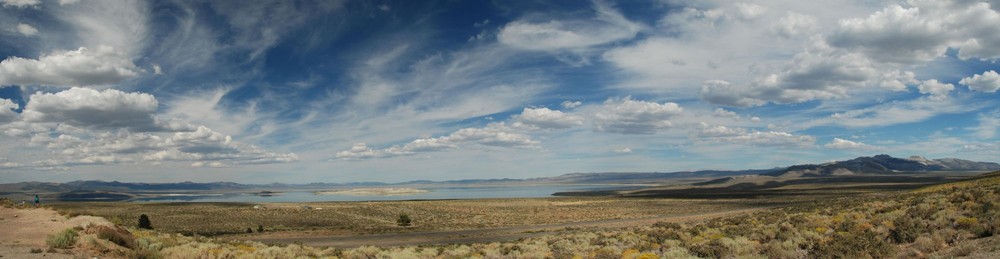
x: 884, y: 164
x: 875, y: 165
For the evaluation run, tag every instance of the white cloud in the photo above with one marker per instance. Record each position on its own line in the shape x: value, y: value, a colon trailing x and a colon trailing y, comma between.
x: 723, y: 134
x: 627, y: 116
x: 818, y: 74
x: 21, y: 3
x: 497, y: 135
x: 895, y: 34
x: 892, y: 113
x: 7, y: 113
x: 68, y: 2
x: 988, y: 81
x: 493, y: 135
x: 749, y: 11
x: 843, y: 144
x: 623, y: 150
x: 923, y: 32
x: 936, y: 90
x: 571, y: 104
x: 608, y: 26
x: 157, y: 70
x: 107, y: 109
x: 723, y: 113
x: 26, y: 29
x: 544, y: 118
x: 725, y: 93
x: 989, y: 123
x: 82, y: 126
x: 794, y: 24
x: 358, y: 152
x: 82, y: 67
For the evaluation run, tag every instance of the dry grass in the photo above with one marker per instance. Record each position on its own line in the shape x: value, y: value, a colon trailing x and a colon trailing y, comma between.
x: 380, y: 217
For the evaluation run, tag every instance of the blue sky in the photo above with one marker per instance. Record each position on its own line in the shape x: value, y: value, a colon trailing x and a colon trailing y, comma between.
x: 342, y: 91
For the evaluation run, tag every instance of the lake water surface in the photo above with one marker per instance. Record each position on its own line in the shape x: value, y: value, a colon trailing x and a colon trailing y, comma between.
x: 436, y: 193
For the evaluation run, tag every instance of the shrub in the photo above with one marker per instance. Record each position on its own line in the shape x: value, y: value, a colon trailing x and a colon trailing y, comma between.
x: 906, y: 230
x: 63, y: 240
x: 144, y: 222
x: 118, y: 236
x: 928, y: 244
x: 260, y: 228
x: 404, y: 220
x: 849, y: 245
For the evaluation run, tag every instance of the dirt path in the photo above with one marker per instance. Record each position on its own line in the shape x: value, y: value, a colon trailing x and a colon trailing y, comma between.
x: 480, y: 235
x: 22, y: 230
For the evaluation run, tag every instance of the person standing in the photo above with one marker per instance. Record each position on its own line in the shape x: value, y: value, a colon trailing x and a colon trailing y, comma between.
x: 36, y: 201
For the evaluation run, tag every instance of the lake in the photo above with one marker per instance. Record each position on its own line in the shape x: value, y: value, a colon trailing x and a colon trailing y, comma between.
x: 435, y: 193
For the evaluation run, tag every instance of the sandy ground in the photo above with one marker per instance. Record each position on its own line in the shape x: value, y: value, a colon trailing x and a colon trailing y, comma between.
x: 476, y: 235
x: 24, y: 229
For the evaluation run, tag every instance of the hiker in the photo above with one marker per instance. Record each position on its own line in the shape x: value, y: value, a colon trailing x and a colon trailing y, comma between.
x: 36, y: 201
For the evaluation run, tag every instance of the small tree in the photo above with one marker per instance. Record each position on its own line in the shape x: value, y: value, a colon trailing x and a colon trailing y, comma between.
x: 249, y: 231
x: 404, y: 220
x: 260, y: 228
x: 144, y: 222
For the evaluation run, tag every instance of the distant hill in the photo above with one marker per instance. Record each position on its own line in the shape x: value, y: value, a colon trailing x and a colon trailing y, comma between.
x: 884, y: 164
x: 879, y: 165
x: 645, y: 177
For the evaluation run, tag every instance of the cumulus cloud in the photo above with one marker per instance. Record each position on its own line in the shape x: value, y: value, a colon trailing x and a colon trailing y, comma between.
x: 794, y: 24
x: 81, y: 126
x: 82, y: 67
x: 819, y: 74
x: 543, y: 118
x: 843, y: 144
x: 623, y: 150
x: 205, y: 144
x: 497, y: 135
x: 723, y: 134
x: 723, y: 113
x: 936, y: 90
x: 26, y: 29
x: 107, y: 109
x: 627, y: 116
x: 895, y: 34
x: 988, y: 81
x: 923, y: 31
x: 21, y: 3
x: 7, y: 113
x: 608, y: 26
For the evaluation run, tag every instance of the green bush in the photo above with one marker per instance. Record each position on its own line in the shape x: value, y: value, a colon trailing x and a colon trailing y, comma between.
x: 404, y: 220
x: 62, y: 240
x: 144, y: 222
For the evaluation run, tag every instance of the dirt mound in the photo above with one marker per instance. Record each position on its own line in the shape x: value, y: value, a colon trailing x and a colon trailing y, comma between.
x: 27, y: 229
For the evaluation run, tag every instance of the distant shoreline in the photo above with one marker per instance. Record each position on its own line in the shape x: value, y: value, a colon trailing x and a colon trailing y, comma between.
x: 374, y: 192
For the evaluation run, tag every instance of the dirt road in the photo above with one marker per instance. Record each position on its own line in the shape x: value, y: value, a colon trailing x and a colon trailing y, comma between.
x: 479, y: 235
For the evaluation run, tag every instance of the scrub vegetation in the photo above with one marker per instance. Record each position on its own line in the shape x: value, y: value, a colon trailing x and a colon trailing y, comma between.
x: 945, y: 220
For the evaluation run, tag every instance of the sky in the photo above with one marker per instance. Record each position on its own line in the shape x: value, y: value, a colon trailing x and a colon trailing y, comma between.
x: 391, y: 91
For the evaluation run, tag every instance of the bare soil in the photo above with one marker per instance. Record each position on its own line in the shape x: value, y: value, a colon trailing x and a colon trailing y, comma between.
x: 27, y: 229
